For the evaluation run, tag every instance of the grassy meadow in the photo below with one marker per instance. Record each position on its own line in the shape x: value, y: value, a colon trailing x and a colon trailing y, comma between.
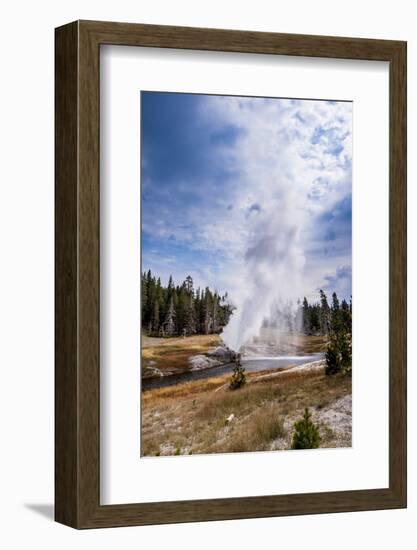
x: 205, y: 416
x: 170, y: 355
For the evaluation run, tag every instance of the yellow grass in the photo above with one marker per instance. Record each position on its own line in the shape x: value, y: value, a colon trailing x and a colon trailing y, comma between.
x: 172, y: 354
x: 193, y: 417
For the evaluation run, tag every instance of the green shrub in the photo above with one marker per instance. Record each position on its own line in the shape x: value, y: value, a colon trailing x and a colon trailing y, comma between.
x: 238, y: 377
x: 339, y: 353
x: 333, y: 359
x: 306, y: 434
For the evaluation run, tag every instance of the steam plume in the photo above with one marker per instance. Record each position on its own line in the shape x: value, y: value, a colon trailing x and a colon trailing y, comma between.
x: 294, y: 161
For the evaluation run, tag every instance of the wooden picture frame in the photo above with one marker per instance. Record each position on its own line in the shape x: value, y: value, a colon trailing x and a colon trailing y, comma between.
x: 77, y: 373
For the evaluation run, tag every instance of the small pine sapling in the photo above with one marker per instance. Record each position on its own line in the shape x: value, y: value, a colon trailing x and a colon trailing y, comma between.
x: 306, y: 434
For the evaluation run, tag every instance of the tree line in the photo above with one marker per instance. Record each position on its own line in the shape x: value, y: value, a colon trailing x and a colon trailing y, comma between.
x: 174, y: 310
x: 322, y: 318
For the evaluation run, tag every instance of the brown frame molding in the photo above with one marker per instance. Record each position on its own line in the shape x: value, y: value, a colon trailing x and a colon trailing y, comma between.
x: 77, y: 359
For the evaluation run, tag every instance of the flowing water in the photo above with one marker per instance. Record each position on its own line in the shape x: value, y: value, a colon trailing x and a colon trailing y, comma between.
x: 251, y: 364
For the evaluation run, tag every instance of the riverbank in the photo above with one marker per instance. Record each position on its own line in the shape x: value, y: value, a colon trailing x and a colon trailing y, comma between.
x: 204, y: 416
x: 176, y: 356
x: 171, y: 356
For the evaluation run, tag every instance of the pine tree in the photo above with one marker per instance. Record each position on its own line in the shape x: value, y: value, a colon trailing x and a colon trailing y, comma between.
x: 155, y: 317
x: 315, y: 319
x: 306, y: 433
x: 324, y: 313
x: 339, y: 353
x: 346, y: 316
x: 189, y: 284
x: 169, y: 323
x: 214, y: 313
x: 339, y: 349
x: 144, y: 297
x: 335, y: 313
x: 306, y: 317
x: 207, y: 311
x: 189, y: 316
x: 170, y: 286
x: 181, y: 311
x: 149, y: 308
x: 333, y: 357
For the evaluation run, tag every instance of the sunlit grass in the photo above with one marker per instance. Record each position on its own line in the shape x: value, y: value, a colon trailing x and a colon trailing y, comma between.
x: 192, y: 418
x: 172, y: 354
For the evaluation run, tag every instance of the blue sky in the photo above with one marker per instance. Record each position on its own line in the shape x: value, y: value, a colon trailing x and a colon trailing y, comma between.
x: 242, y: 192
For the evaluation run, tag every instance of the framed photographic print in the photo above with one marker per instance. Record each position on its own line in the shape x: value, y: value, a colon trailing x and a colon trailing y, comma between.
x: 230, y: 274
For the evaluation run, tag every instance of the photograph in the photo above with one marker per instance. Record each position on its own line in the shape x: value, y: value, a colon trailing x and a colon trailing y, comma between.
x: 246, y: 275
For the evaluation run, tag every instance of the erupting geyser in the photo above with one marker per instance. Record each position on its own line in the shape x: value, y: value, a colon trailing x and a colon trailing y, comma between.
x: 271, y: 280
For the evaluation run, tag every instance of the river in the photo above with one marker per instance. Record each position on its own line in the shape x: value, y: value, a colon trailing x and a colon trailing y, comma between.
x: 251, y: 364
